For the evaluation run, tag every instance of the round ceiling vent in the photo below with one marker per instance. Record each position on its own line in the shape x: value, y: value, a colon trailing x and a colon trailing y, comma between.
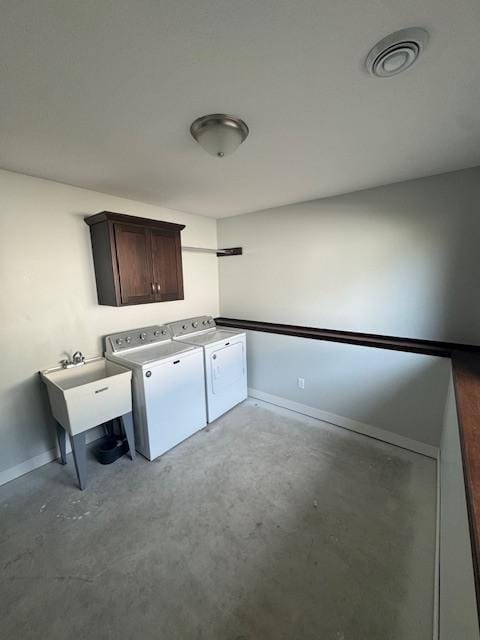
x: 397, y: 52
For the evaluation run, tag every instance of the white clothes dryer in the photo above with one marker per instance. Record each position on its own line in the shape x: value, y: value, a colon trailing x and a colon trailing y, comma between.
x: 225, y: 355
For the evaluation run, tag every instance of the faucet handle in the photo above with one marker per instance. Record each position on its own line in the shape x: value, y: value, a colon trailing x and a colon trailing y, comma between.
x: 78, y: 357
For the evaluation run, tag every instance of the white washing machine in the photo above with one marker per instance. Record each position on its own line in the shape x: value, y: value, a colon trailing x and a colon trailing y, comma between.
x: 225, y: 361
x: 168, y: 385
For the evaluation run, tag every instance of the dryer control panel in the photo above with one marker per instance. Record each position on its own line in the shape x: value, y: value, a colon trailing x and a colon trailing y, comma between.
x: 191, y: 325
x: 136, y: 338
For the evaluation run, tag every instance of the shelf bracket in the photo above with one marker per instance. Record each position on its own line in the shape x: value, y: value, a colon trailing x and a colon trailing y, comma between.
x: 233, y: 251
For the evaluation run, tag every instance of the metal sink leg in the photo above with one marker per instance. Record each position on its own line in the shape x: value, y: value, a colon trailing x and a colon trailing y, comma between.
x: 62, y: 443
x: 80, y: 458
x: 127, y: 424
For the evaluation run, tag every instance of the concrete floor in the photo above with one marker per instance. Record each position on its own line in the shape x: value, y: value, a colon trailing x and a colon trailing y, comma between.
x: 266, y: 526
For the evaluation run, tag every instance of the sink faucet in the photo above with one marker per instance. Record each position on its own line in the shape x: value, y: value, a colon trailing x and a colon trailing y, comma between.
x: 77, y: 359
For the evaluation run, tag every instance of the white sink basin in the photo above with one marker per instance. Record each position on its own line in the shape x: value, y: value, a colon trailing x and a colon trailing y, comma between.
x: 88, y: 395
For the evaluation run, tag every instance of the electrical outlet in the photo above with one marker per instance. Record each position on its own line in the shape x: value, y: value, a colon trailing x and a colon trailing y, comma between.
x: 301, y: 383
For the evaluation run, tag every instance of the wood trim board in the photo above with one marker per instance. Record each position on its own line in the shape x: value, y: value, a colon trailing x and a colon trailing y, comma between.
x: 413, y: 345
x: 466, y: 380
x: 104, y: 216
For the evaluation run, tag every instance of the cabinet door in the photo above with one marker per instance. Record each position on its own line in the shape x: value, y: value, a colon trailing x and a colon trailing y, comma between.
x: 167, y: 265
x: 134, y: 264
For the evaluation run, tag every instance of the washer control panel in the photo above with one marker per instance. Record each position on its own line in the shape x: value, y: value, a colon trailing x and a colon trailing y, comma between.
x: 191, y: 325
x: 137, y: 338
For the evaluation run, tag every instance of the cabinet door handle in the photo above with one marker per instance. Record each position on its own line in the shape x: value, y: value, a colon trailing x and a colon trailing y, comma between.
x: 152, y: 284
x: 158, y: 288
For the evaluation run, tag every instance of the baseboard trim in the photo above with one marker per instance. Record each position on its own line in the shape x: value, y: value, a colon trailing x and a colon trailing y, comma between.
x: 42, y: 458
x: 346, y: 423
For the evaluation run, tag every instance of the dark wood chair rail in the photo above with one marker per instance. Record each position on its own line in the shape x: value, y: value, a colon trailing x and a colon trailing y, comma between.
x: 466, y: 376
x: 414, y: 345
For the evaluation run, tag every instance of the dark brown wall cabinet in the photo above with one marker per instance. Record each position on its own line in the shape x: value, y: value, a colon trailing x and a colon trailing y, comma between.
x: 136, y: 260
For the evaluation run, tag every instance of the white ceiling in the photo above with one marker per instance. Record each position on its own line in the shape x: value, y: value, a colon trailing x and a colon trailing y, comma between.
x: 100, y: 94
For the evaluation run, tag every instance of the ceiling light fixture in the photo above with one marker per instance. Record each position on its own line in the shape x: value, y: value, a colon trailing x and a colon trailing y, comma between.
x: 397, y: 52
x: 219, y: 134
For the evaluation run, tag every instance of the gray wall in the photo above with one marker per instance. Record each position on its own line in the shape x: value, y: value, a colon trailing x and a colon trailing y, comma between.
x: 403, y: 393
x: 458, y: 608
x: 49, y: 302
x: 400, y: 260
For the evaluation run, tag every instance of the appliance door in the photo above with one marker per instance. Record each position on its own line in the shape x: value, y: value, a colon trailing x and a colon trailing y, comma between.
x: 174, y: 401
x: 226, y: 377
x: 227, y: 367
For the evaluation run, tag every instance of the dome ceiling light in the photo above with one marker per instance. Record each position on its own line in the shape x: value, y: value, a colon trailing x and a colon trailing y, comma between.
x: 219, y: 134
x: 397, y: 52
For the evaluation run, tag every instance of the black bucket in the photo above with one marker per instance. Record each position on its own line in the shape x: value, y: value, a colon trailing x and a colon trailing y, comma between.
x: 111, y: 449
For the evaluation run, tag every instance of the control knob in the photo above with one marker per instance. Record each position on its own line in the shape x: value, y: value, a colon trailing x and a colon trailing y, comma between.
x: 185, y: 326
x: 119, y: 341
x: 194, y: 325
x: 156, y: 332
x: 128, y: 339
x: 143, y: 335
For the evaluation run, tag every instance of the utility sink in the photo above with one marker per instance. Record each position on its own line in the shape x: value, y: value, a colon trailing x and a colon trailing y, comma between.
x: 90, y: 394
